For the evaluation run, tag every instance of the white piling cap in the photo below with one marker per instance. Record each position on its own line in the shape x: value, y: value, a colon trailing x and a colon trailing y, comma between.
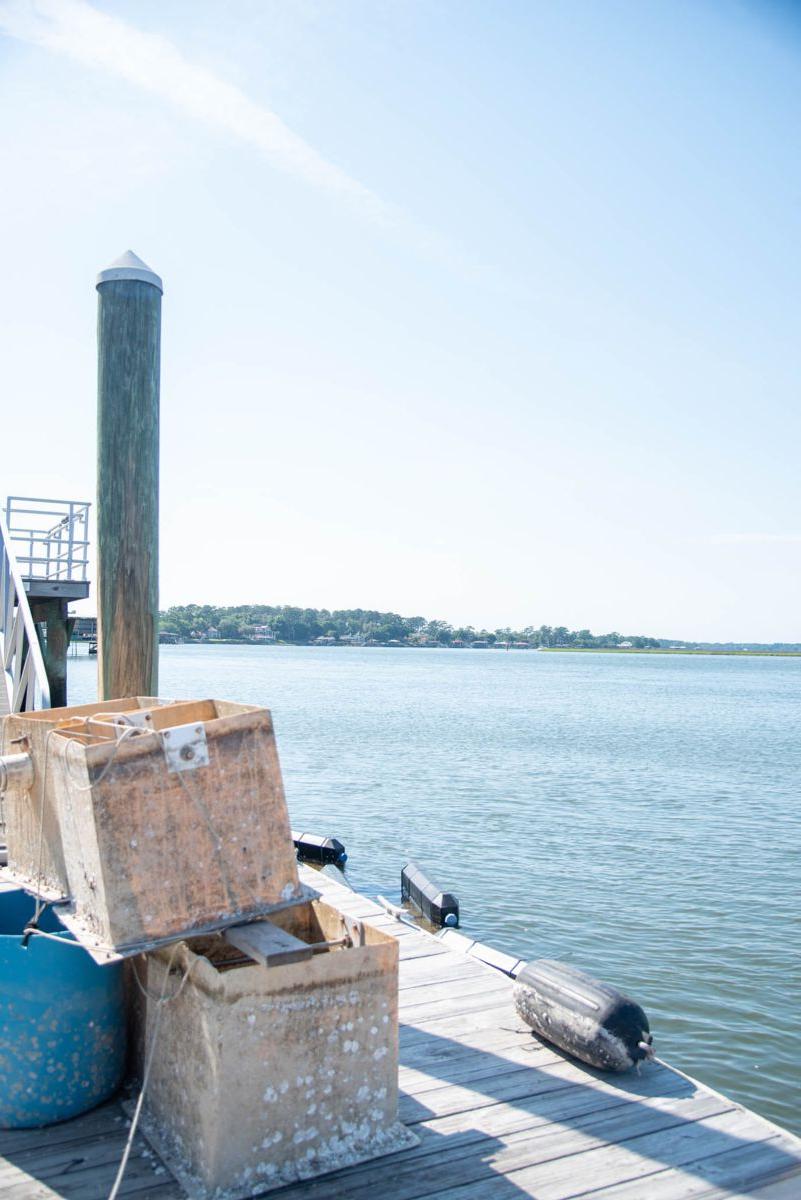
x: 129, y: 266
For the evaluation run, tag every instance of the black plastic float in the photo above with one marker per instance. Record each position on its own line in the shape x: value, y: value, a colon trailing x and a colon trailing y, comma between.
x: 589, y: 1019
x: 438, y: 907
x: 312, y: 848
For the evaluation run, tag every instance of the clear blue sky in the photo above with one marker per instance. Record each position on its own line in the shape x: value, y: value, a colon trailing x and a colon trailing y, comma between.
x: 483, y: 311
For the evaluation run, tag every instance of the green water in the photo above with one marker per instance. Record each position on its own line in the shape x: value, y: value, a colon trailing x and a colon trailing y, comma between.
x: 635, y: 815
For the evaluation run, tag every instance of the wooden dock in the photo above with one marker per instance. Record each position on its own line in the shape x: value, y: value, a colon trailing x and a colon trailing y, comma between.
x: 499, y: 1114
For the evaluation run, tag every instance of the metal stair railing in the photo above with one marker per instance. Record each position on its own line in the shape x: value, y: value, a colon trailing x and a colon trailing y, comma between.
x: 24, y: 679
x: 44, y: 549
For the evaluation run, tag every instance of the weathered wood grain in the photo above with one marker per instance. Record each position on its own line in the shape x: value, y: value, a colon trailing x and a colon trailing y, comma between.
x: 128, y: 371
x: 563, y: 1168
x: 265, y: 943
x: 726, y: 1176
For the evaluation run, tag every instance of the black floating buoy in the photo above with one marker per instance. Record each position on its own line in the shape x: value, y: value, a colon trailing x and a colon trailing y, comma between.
x: 438, y: 907
x: 589, y: 1019
x: 311, y: 848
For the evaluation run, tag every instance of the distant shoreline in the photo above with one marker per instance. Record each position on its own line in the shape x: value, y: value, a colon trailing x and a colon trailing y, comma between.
x: 290, y: 625
x: 498, y: 648
x: 665, y: 650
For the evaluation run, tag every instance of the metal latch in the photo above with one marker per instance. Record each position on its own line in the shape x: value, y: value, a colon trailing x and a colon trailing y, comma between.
x: 355, y: 930
x: 185, y: 747
x: 142, y: 718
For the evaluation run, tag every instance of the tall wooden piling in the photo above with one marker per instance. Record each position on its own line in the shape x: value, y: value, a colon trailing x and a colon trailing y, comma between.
x: 129, y: 354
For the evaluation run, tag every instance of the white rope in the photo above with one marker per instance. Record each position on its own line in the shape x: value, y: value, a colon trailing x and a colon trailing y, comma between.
x: 219, y: 847
x: 160, y: 999
x: 32, y: 931
x: 219, y: 844
x: 160, y: 1002
x: 123, y: 735
x: 40, y: 906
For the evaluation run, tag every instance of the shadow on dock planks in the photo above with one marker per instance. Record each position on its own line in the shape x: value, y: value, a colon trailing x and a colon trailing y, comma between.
x: 499, y: 1114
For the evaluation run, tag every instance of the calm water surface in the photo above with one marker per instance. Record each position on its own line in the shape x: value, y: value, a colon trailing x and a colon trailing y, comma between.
x: 637, y: 816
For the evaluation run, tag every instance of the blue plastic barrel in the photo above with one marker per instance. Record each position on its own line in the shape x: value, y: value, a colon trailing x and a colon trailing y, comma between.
x: 62, y: 1022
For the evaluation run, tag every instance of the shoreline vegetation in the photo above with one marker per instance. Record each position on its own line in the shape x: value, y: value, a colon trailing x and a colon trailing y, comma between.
x: 757, y: 652
x: 285, y: 625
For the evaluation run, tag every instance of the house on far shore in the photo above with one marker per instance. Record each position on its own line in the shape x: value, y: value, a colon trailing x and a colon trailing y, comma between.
x: 84, y: 629
x: 625, y: 645
x: 263, y: 633
x: 325, y: 641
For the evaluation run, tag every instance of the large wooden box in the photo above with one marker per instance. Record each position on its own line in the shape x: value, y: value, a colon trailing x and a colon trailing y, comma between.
x: 263, y: 1075
x: 33, y: 832
x: 156, y: 847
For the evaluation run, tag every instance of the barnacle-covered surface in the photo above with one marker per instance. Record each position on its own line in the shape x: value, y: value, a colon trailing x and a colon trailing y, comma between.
x: 153, y: 853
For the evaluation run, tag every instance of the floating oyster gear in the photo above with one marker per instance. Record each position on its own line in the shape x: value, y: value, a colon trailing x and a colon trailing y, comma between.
x: 313, y: 848
x: 580, y: 1014
x: 438, y: 907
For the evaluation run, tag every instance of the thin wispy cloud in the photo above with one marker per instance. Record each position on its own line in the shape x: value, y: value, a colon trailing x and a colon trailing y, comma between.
x: 736, y: 539
x: 79, y: 31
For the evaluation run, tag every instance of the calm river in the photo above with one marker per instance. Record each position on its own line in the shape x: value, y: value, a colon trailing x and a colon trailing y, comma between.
x: 637, y: 816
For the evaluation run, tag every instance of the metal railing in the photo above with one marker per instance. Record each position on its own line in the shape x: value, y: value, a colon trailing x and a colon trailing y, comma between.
x: 50, y: 537
x: 24, y: 679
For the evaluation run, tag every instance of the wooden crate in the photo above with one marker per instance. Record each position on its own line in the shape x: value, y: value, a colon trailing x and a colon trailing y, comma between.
x: 263, y: 1075
x: 154, y: 853
x: 33, y: 831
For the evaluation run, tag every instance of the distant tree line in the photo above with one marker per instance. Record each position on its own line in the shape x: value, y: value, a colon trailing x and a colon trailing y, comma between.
x: 301, y: 626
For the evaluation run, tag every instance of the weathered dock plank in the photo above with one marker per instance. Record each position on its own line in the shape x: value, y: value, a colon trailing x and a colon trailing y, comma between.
x: 498, y: 1114
x: 84, y: 1167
